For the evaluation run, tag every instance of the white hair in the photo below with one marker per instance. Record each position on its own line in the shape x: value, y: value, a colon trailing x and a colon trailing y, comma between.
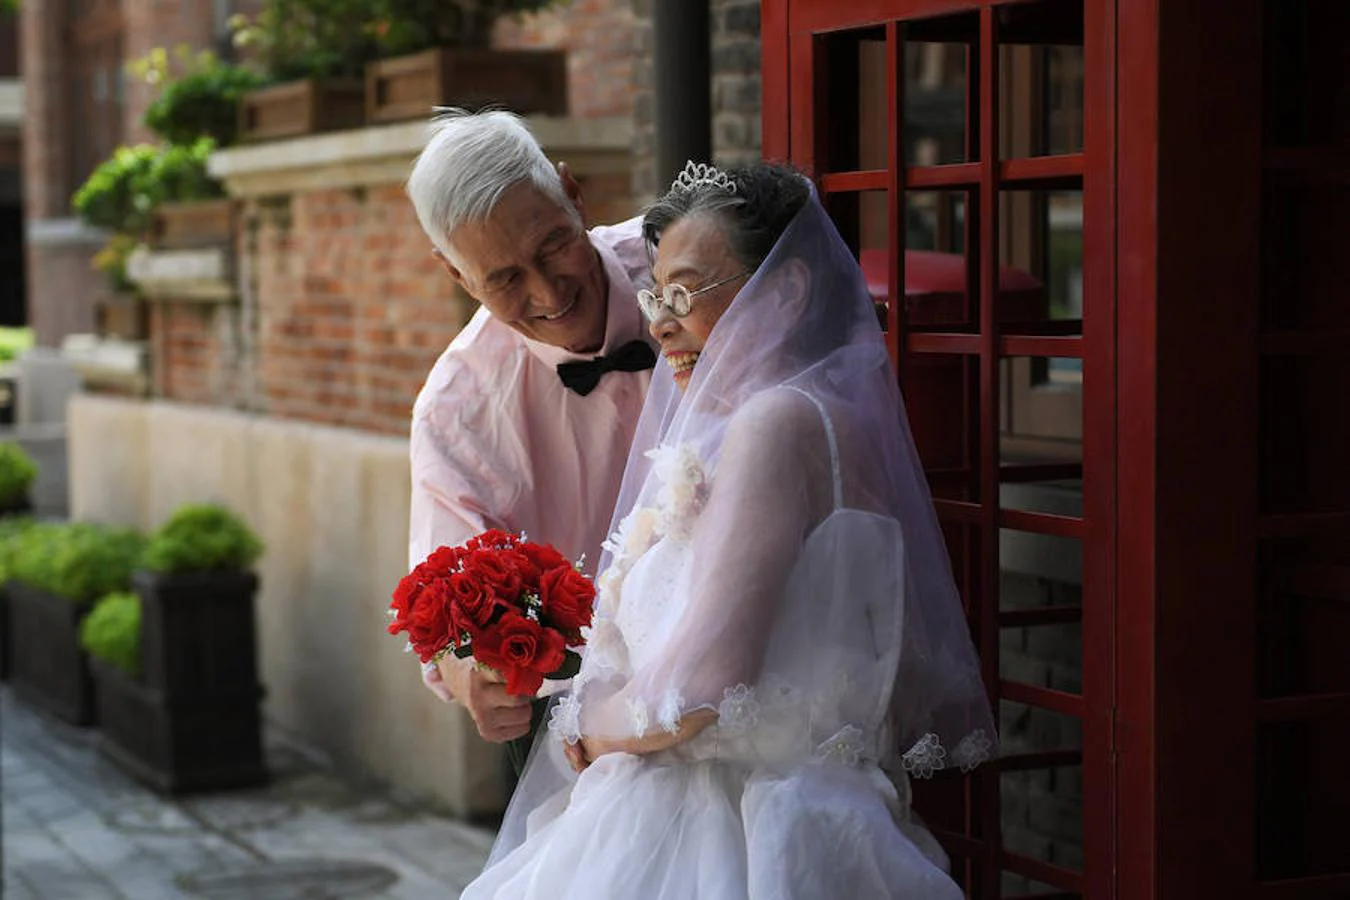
x: 470, y: 160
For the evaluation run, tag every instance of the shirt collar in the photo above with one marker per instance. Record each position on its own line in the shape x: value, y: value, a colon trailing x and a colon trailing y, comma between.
x: 623, y: 319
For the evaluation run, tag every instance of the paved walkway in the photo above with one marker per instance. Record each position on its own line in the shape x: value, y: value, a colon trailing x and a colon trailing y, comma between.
x: 76, y: 828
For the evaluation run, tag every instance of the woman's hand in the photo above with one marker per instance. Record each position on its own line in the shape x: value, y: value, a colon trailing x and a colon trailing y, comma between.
x: 590, y: 749
x: 576, y: 757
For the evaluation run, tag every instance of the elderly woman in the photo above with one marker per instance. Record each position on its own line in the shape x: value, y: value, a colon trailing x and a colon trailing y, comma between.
x: 778, y: 644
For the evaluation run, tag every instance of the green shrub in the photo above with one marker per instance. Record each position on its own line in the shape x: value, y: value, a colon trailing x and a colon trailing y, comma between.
x: 80, y: 561
x: 202, y: 538
x: 14, y: 341
x: 12, y: 529
x: 203, y: 104
x: 122, y: 193
x: 407, y: 26
x: 197, y: 94
x: 118, y: 194
x: 112, y: 632
x: 17, y: 471
x: 294, y: 39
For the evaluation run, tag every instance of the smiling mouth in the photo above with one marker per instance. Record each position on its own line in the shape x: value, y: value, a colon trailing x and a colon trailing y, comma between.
x: 562, y: 312
x: 681, y: 363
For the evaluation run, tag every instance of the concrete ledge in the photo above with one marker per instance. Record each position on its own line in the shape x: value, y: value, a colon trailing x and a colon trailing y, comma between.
x: 331, y: 505
x: 384, y: 155
x: 63, y: 232
x: 109, y: 363
x: 202, y: 275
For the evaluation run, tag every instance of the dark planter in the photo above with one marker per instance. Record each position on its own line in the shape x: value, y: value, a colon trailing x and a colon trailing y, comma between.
x: 176, y: 747
x: 198, y: 635
x: 21, y: 506
x: 48, y: 668
x: 523, y: 81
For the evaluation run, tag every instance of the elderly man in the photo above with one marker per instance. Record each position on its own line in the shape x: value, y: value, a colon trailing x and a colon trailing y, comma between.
x: 525, y: 421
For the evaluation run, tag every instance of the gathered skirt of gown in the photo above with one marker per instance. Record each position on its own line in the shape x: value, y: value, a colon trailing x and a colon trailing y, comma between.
x: 700, y: 823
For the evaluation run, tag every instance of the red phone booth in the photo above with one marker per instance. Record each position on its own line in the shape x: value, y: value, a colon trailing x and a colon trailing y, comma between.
x: 1129, y: 393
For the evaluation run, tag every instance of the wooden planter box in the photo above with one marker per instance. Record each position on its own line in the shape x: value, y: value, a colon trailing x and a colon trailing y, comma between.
x: 198, y: 638
x: 199, y: 223
x: 523, y: 81
x: 48, y: 667
x: 301, y: 107
x: 179, y: 746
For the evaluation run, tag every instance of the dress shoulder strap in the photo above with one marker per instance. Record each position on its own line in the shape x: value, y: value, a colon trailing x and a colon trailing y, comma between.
x: 834, y: 445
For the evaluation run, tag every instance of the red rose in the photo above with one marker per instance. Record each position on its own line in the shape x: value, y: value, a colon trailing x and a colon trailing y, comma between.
x: 495, y: 574
x: 543, y: 556
x: 492, y: 539
x: 441, y: 561
x: 430, y: 624
x: 473, y: 603
x: 521, y: 650
x: 523, y: 566
x: 567, y: 597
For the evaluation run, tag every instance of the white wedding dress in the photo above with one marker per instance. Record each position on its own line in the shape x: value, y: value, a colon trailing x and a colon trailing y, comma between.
x: 779, y: 564
x: 779, y: 799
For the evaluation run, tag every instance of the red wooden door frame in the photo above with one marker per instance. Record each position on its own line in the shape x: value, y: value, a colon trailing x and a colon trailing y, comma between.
x: 791, y: 31
x: 1170, y: 427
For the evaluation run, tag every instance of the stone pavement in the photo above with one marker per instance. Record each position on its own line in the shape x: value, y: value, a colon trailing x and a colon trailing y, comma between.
x: 76, y: 828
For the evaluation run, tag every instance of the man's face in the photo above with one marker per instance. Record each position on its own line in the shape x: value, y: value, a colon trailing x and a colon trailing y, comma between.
x: 532, y: 265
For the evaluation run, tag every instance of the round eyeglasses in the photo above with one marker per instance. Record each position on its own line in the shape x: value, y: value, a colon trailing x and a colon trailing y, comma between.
x: 678, y: 298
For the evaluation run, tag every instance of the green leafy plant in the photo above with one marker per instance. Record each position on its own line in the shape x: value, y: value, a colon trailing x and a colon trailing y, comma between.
x: 294, y: 39
x: 202, y: 538
x: 112, y: 631
x: 14, y: 341
x: 407, y: 26
x: 17, y: 471
x: 198, y: 94
x: 112, y: 261
x: 122, y: 193
x: 9, y: 6
x: 80, y: 561
x: 12, y: 529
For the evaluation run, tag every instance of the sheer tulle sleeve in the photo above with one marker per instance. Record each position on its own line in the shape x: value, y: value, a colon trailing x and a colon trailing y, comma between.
x: 770, y: 488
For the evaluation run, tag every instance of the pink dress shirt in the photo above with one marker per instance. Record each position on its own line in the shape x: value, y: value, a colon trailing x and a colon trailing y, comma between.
x: 499, y: 442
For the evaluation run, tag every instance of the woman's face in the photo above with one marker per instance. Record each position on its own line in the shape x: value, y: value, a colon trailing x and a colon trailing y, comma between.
x: 693, y: 253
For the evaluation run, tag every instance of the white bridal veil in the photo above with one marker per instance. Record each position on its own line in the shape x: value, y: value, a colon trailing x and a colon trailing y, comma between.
x: 816, y: 613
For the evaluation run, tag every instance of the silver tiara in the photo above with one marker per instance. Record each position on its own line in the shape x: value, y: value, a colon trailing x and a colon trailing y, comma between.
x: 697, y: 174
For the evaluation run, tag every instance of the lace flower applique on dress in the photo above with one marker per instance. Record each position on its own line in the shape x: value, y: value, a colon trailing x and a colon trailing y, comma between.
x: 565, y: 719
x: 638, y: 715
x: 845, y: 746
x: 925, y: 757
x: 739, y: 710
x: 672, y: 708
x: 684, y: 491
x: 635, y: 535
x: 973, y: 750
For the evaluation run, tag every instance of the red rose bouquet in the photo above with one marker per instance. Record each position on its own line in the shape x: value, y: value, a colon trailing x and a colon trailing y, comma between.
x: 514, y: 606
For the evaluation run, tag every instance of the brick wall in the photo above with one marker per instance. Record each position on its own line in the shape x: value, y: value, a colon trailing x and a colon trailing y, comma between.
x: 735, y: 89
x: 353, y: 308
x: 598, y: 36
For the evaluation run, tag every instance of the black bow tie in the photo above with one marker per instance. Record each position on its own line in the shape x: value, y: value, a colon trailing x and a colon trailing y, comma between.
x: 582, y: 377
